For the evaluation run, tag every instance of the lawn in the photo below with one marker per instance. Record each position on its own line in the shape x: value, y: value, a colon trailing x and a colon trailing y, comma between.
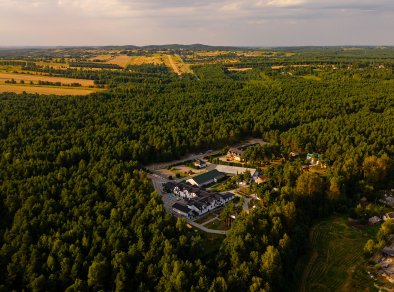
x: 205, y: 218
x: 217, y: 225
x: 335, y: 261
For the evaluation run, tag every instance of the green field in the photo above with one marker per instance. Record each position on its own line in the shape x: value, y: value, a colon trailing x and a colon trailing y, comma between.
x: 335, y: 262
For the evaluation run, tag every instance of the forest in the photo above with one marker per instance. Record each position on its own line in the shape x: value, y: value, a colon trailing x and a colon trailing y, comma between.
x: 80, y: 214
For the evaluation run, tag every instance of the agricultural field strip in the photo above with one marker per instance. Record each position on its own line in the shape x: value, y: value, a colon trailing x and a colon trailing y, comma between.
x: 19, y: 88
x: 27, y: 77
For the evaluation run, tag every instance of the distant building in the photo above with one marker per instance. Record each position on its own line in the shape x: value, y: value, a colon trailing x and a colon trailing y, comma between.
x: 206, y: 178
x: 198, y: 201
x: 389, y: 215
x: 236, y: 153
x: 261, y: 179
x: 315, y: 160
x: 374, y: 220
x: 200, y: 163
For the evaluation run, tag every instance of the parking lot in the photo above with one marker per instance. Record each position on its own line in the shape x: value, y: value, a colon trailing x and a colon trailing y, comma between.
x: 170, y: 199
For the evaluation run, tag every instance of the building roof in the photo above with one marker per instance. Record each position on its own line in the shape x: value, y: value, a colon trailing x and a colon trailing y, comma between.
x: 226, y: 196
x: 207, y: 176
x: 234, y: 169
x: 169, y: 185
x: 240, y: 150
x: 389, y: 251
x: 180, y: 207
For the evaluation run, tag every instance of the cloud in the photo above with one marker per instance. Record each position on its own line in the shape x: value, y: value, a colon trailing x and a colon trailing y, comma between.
x: 285, y: 3
x: 241, y: 22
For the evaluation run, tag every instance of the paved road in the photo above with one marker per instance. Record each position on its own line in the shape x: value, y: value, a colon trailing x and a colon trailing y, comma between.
x: 245, y: 206
x: 201, y: 227
x: 163, y: 165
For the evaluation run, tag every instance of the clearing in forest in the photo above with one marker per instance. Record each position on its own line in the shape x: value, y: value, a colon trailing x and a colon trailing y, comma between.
x: 336, y: 258
x: 178, y: 66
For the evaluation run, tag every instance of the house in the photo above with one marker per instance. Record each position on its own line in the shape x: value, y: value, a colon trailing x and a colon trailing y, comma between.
x: 199, y: 201
x: 389, y: 215
x: 227, y: 197
x: 261, y: 179
x: 315, y: 160
x: 374, y: 220
x: 168, y: 187
x: 200, y: 163
x: 236, y: 153
x: 206, y: 178
x: 388, y: 200
x: 185, y: 191
x: 294, y: 154
x: 182, y: 210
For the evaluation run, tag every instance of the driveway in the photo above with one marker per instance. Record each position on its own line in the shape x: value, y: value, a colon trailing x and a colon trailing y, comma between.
x: 162, y: 165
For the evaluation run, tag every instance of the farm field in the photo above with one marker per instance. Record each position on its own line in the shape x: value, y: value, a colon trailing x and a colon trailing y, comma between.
x: 121, y: 60
x: 336, y: 258
x: 101, y: 58
x: 156, y: 59
x: 56, y: 90
x: 36, y: 78
x: 238, y: 69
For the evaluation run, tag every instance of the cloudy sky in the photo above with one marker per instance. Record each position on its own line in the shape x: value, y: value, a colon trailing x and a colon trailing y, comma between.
x: 214, y: 22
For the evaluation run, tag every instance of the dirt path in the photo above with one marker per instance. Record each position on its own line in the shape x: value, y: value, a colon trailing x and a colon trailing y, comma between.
x: 172, y: 63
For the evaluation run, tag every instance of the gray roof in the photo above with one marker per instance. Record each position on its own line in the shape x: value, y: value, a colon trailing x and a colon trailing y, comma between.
x: 181, y: 208
x: 388, y: 251
x: 207, y: 176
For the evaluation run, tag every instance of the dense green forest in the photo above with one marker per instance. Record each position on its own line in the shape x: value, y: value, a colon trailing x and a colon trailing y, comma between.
x: 79, y: 214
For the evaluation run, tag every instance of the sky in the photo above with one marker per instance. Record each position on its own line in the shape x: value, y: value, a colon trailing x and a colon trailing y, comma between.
x: 214, y: 22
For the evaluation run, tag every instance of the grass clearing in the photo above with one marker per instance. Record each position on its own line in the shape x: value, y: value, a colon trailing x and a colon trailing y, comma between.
x: 205, y: 218
x: 335, y: 257
x: 217, y: 225
x: 176, y: 63
x: 311, y: 77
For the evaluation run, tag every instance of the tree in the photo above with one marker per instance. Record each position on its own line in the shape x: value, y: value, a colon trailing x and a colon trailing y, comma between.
x: 309, y: 184
x: 375, y: 169
x: 271, y: 265
x: 369, y: 248
x: 98, y: 273
x: 335, y: 188
x: 218, y: 285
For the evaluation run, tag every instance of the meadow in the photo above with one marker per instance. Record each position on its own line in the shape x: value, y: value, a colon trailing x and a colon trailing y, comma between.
x: 335, y: 261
